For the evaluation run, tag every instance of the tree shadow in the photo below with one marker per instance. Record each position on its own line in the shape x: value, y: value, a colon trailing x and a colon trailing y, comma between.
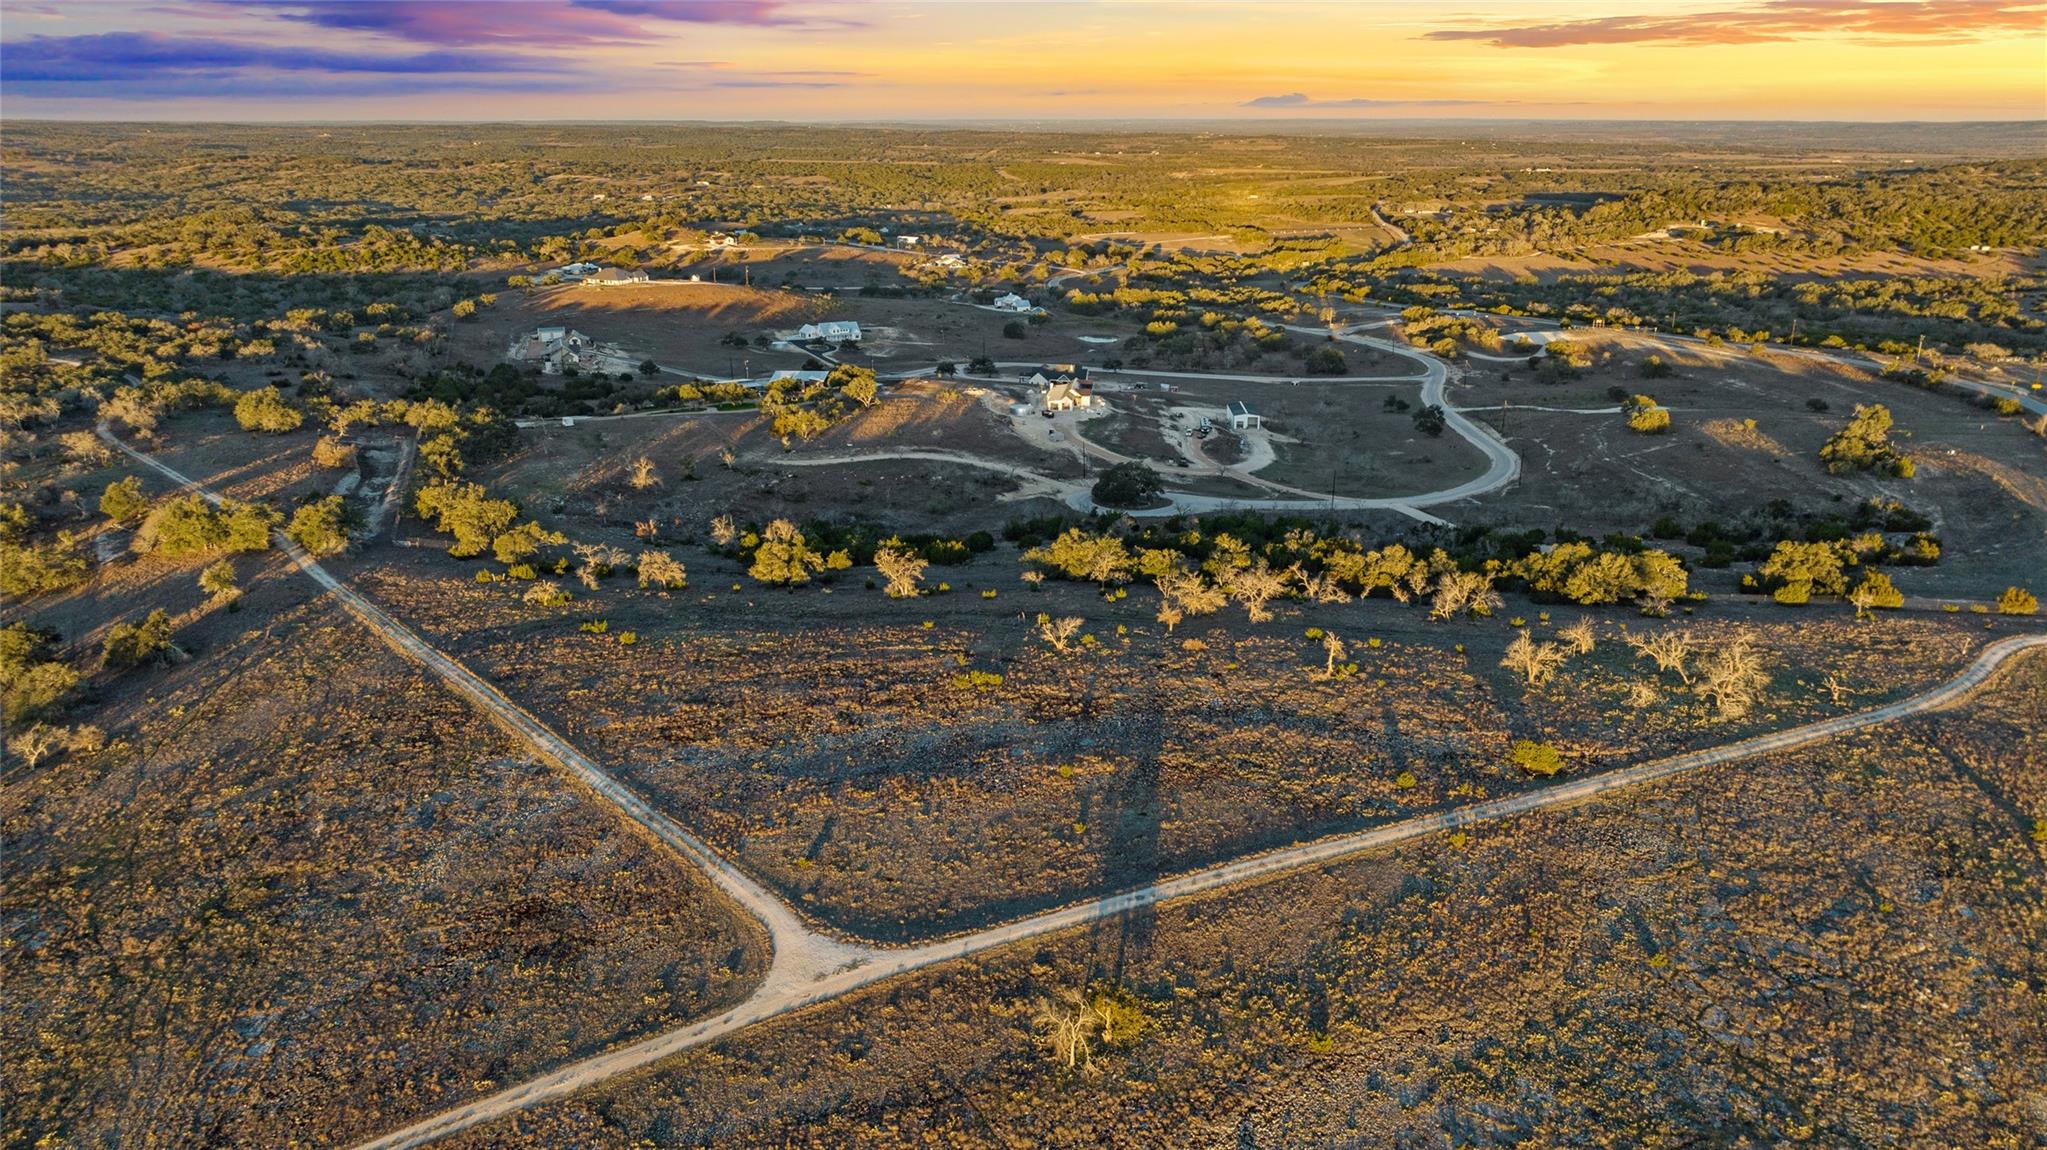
x: 1130, y: 809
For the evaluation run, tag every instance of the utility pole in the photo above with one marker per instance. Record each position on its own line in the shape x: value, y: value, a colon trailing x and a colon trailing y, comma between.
x: 1503, y: 419
x: 1921, y: 353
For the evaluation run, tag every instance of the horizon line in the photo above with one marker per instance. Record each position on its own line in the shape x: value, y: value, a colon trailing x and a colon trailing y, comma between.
x: 1014, y: 121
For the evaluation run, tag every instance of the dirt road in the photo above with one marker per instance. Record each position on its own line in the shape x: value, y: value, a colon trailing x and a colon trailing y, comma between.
x: 774, y: 999
x: 811, y: 967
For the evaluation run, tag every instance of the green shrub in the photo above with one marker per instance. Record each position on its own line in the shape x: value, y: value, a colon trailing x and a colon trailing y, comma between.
x: 266, y: 410
x: 1536, y: 758
x: 1132, y: 484
x: 976, y: 681
x: 187, y: 526
x: 26, y: 572
x: 33, y: 679
x: 124, y: 503
x: 322, y: 526
x: 132, y: 644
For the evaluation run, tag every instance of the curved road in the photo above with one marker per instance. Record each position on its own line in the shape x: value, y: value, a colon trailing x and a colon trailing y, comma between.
x: 810, y: 967
x: 1503, y: 465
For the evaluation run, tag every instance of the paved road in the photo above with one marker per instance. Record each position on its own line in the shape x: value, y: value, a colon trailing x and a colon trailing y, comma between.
x: 809, y: 967
x: 1503, y: 465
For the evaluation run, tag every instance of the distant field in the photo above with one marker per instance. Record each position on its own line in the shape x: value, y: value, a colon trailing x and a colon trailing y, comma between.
x: 1590, y: 473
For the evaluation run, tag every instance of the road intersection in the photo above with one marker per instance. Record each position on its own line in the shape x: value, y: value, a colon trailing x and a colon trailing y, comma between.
x: 811, y: 965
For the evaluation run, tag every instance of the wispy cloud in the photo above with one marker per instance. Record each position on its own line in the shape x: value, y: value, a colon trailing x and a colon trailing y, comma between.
x: 146, y: 65
x: 1301, y: 100
x: 1868, y: 21
x: 553, y: 23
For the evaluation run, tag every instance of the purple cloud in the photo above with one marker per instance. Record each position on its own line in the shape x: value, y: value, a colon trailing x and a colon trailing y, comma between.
x: 1869, y: 21
x: 144, y: 65
x: 557, y: 23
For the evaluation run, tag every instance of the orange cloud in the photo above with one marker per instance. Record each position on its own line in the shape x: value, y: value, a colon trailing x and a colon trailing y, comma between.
x: 1870, y: 21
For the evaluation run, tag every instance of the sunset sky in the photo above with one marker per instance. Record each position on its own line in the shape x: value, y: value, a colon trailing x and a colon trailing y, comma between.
x: 769, y: 59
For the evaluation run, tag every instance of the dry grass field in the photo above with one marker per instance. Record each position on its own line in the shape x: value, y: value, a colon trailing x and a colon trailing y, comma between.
x: 305, y: 894
x: 823, y: 737
x: 1745, y: 956
x: 1329, y: 434
x: 1589, y: 472
x: 676, y: 325
x: 578, y: 477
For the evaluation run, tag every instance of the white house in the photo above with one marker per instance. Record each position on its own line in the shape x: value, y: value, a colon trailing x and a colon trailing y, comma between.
x: 1065, y: 395
x: 720, y: 241
x: 950, y: 261
x: 908, y: 241
x: 1242, y: 417
x: 1065, y: 386
x: 830, y: 331
x: 618, y: 276
x: 576, y: 271
x: 1013, y: 302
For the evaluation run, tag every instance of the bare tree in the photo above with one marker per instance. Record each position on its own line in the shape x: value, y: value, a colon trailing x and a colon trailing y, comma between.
x: 1059, y: 632
x: 1187, y: 593
x: 660, y: 569
x: 1732, y: 677
x: 1072, y: 1024
x: 1837, y: 690
x: 1535, y: 662
x: 599, y: 560
x: 546, y: 594
x: 643, y: 474
x: 1255, y: 586
x: 902, y: 567
x: 1067, y: 1025
x: 723, y: 531
x: 1169, y: 615
x: 37, y: 743
x: 1322, y: 588
x: 1464, y: 593
x: 1670, y: 650
x: 1332, y: 648
x: 1578, y: 637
